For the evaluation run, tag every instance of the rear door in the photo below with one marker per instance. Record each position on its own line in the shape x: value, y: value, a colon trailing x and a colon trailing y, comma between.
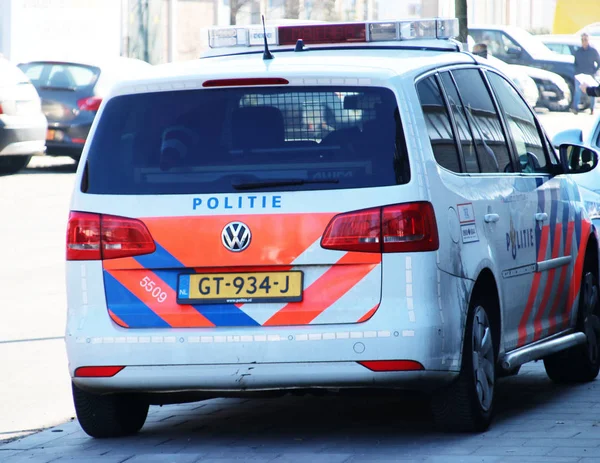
x: 237, y: 190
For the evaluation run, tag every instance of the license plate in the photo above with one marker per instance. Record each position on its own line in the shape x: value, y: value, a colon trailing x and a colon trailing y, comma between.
x: 239, y: 288
x: 50, y: 134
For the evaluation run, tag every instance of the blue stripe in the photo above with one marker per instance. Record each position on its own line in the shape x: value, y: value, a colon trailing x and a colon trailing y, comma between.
x: 218, y: 314
x: 161, y: 258
x: 125, y: 305
x: 541, y: 208
x: 225, y: 315
x: 565, y: 222
x: 553, y: 215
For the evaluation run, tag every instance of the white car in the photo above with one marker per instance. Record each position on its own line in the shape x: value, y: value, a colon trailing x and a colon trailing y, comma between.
x: 220, y: 245
x: 520, y: 77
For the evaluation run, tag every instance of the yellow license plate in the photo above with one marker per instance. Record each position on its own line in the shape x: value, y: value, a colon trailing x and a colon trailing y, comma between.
x: 240, y: 288
x: 50, y: 134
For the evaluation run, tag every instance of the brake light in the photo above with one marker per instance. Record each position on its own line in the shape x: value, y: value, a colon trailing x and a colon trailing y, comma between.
x: 97, y: 237
x: 245, y: 82
x: 97, y: 372
x: 1, y: 111
x: 392, y: 365
x: 89, y: 104
x: 409, y: 227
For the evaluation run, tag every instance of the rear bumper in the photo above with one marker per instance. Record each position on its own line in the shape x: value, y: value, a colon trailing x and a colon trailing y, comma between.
x: 22, y: 135
x: 421, y: 322
x: 228, y: 379
x: 63, y: 144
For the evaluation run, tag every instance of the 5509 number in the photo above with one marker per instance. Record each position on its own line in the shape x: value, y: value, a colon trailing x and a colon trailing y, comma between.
x: 156, y: 291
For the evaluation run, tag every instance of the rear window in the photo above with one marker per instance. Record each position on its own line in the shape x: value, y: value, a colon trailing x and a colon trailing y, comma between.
x: 60, y: 75
x: 241, y: 139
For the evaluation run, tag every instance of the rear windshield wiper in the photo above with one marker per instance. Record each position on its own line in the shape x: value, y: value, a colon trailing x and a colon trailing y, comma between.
x: 278, y: 183
x: 48, y: 87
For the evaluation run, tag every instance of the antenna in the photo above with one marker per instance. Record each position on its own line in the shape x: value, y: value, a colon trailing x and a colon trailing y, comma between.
x: 267, y: 54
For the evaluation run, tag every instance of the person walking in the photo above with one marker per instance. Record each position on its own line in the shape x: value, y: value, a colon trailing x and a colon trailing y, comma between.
x: 587, y: 61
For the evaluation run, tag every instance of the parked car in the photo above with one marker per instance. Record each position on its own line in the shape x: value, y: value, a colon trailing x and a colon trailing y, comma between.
x: 589, y: 182
x: 555, y: 92
x: 564, y: 44
x: 526, y: 85
x: 22, y: 122
x: 514, y: 45
x: 593, y: 30
x: 589, y: 137
x: 549, y: 89
x: 71, y: 94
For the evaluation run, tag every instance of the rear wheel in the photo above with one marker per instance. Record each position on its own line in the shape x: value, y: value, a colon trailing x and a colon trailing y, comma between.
x: 581, y: 363
x: 113, y: 415
x: 467, y: 404
x: 13, y: 164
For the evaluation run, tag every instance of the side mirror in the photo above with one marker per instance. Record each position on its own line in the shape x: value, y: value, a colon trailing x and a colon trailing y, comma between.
x: 514, y: 51
x: 569, y: 137
x: 578, y: 159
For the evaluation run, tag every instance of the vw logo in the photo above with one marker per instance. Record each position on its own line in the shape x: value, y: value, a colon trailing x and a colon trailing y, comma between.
x: 236, y: 236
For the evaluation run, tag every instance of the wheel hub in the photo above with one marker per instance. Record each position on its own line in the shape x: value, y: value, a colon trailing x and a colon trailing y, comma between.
x: 483, y: 358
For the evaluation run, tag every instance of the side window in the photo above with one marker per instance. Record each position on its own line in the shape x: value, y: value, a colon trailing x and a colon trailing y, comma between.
x: 438, y: 123
x: 464, y: 133
x: 490, y: 142
x: 521, y: 125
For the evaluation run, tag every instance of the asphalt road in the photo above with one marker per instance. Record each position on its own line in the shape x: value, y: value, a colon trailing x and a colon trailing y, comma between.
x: 34, y: 385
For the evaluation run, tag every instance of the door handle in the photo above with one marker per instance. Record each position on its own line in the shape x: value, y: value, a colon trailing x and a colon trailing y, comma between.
x: 541, y: 216
x: 491, y: 218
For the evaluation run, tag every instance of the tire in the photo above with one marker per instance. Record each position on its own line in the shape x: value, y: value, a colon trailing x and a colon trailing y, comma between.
x: 13, y: 164
x: 581, y: 364
x: 467, y: 405
x: 114, y: 415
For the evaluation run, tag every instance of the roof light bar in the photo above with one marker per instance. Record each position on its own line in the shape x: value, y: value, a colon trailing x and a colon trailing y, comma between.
x: 371, y: 31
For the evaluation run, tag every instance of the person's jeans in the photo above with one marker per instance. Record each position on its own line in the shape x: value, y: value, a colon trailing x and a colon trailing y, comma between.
x: 577, y: 97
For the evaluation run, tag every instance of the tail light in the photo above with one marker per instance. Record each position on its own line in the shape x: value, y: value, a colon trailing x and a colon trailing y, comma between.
x: 1, y: 111
x: 89, y: 104
x: 98, y: 237
x: 409, y: 227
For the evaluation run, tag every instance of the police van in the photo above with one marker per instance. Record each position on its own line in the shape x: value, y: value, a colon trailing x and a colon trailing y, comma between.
x: 228, y: 236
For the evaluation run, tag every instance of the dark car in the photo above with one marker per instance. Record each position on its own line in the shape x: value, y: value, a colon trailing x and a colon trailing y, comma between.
x: 22, y: 123
x: 71, y: 94
x: 514, y: 45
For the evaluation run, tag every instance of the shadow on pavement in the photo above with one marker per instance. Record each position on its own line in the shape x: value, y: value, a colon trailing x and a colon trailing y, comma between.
x: 341, y: 420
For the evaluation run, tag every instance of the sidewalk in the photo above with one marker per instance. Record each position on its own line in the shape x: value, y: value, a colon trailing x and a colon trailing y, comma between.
x: 537, y: 421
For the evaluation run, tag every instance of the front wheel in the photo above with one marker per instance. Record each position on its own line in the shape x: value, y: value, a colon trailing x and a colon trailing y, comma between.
x: 467, y: 404
x: 114, y: 415
x: 581, y: 363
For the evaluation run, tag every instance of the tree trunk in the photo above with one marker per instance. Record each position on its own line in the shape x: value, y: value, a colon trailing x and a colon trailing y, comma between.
x: 292, y: 9
x: 460, y: 11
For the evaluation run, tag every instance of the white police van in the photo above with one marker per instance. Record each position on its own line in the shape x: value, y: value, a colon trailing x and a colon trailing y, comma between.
x: 359, y: 205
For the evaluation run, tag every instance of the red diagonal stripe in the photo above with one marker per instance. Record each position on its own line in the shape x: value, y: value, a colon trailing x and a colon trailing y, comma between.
x: 368, y: 315
x: 537, y: 323
x: 323, y: 293
x: 117, y: 320
x: 575, y: 285
x: 561, y: 281
x: 176, y: 315
x: 534, y: 288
